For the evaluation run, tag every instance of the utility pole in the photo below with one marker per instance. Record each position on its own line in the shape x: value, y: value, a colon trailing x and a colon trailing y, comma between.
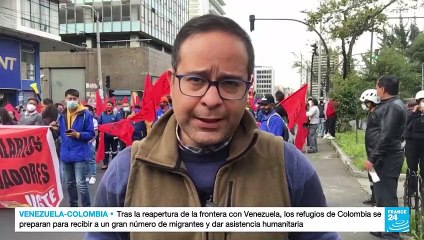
x: 319, y: 62
x: 99, y: 55
x: 422, y: 76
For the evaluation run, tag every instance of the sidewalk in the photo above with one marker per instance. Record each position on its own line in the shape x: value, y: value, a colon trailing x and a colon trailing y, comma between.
x: 340, y: 187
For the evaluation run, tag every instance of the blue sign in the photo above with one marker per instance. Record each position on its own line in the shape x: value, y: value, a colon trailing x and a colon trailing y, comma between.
x: 397, y: 219
x: 10, y: 64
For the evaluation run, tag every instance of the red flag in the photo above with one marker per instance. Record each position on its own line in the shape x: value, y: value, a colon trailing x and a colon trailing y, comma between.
x: 137, y: 100
x: 125, y: 100
x: 295, y: 106
x: 84, y: 102
x: 113, y: 100
x: 147, y: 112
x: 122, y: 129
x: 99, y: 103
x: 251, y: 101
x: 39, y: 108
x: 9, y: 107
x: 100, y: 154
x: 160, y: 89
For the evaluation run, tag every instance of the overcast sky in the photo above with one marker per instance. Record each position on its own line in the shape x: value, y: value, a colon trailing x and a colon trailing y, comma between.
x: 280, y: 43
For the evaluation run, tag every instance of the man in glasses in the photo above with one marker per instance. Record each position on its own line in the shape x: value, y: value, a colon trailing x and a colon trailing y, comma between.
x: 207, y: 149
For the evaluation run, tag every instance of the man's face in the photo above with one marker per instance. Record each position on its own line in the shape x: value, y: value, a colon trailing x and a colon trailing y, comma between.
x: 380, y: 91
x: 60, y: 108
x: 209, y: 119
x: 33, y: 102
x: 109, y: 106
x: 267, y: 107
x: 125, y: 105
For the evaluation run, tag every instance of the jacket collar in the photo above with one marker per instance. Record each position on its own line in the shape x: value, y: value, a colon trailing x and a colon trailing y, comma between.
x: 160, y: 147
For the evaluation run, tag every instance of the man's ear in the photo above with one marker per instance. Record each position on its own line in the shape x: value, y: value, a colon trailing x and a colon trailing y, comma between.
x: 171, y: 74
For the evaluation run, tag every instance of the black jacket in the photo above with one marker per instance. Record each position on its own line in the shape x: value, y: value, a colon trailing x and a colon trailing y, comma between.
x: 390, y: 120
x: 371, y: 132
x: 415, y: 126
x: 321, y: 107
x: 282, y: 112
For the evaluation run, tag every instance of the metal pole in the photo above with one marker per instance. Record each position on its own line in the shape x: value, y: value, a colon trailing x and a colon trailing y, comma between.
x: 312, y: 74
x: 99, y: 56
x: 319, y: 63
x: 301, y: 69
x: 422, y: 76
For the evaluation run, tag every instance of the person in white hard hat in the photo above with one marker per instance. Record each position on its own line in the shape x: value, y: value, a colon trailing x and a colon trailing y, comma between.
x: 370, y: 100
x: 414, y: 136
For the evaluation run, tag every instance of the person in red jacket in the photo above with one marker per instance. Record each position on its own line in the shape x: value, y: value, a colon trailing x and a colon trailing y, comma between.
x: 330, y: 119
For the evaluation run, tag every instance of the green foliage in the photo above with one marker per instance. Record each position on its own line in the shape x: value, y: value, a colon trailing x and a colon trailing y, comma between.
x: 399, y: 36
x: 347, y: 20
x: 393, y: 61
x: 416, y: 50
x: 347, y: 92
x: 354, y: 147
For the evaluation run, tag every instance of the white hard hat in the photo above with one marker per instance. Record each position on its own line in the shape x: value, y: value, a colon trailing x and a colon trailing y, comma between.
x: 419, y: 95
x: 370, y: 95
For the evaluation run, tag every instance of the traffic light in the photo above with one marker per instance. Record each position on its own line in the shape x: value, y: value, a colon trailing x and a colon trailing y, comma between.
x: 107, y: 81
x: 376, y: 53
x: 252, y: 22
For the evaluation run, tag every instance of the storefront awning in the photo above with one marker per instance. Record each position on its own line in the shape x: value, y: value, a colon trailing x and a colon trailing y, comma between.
x: 46, y: 44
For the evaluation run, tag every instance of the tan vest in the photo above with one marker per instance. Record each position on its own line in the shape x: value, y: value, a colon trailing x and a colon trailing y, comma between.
x: 254, y: 176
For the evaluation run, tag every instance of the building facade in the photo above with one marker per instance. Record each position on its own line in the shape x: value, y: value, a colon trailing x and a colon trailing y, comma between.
x: 202, y: 7
x: 27, y: 27
x: 136, y: 38
x: 321, y: 74
x: 264, y: 81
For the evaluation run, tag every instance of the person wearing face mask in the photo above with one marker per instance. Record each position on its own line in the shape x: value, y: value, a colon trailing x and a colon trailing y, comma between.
x: 111, y: 144
x: 76, y: 131
x: 271, y: 121
x: 414, y: 136
x: 370, y: 101
x: 31, y: 116
x: 163, y: 107
x: 387, y: 155
x: 313, y: 115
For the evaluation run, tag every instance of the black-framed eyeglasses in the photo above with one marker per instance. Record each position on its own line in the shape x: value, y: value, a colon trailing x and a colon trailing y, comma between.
x: 196, y: 86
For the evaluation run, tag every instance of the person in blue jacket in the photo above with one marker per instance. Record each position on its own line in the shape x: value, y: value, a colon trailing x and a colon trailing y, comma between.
x: 271, y: 121
x: 76, y: 130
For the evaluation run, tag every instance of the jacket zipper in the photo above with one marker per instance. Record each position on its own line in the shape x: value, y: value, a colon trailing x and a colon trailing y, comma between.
x: 229, y: 199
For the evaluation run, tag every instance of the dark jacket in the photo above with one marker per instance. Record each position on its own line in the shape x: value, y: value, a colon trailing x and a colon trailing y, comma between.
x: 321, y: 107
x: 371, y: 133
x: 390, y: 115
x: 282, y: 112
x: 415, y: 126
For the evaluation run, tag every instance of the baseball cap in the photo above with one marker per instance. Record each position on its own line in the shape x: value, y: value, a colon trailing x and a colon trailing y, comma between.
x: 268, y: 99
x: 164, y: 99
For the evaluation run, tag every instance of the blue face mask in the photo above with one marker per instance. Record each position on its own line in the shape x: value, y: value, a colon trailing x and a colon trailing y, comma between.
x: 71, y: 104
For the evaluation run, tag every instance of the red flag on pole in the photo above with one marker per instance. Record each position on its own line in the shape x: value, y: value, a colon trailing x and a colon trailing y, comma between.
x: 160, y: 89
x: 9, y: 107
x: 295, y: 105
x: 125, y: 100
x: 100, y: 154
x: 99, y: 103
x: 147, y: 112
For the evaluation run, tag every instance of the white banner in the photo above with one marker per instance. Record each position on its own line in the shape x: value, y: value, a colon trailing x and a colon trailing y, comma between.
x: 328, y: 219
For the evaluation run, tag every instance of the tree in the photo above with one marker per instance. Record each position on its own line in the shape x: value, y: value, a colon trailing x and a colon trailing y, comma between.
x: 347, y: 94
x: 399, y: 36
x: 416, y: 50
x: 393, y: 61
x: 347, y: 20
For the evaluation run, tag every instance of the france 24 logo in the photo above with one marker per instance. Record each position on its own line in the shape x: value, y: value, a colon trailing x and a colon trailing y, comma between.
x: 397, y: 219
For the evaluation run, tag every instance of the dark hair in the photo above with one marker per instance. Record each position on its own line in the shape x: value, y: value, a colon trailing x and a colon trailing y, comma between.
x: 315, y: 101
x: 137, y: 106
x: 34, y: 99
x: 90, y: 108
x: 110, y: 102
x: 6, y: 119
x: 72, y: 92
x: 279, y: 95
x: 208, y: 23
x: 58, y: 104
x: 50, y: 113
x: 389, y: 83
x: 47, y: 101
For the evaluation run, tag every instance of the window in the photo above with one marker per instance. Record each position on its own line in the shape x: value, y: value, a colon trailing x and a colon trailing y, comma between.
x: 125, y: 10
x: 70, y: 13
x: 116, y: 11
x: 107, y: 12
x: 79, y: 13
x: 27, y: 62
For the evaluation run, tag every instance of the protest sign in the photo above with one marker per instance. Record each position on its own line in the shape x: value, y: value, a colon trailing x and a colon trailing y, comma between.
x: 29, y: 168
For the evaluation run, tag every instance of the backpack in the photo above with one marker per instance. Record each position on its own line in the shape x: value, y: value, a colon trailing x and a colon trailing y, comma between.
x: 286, y: 133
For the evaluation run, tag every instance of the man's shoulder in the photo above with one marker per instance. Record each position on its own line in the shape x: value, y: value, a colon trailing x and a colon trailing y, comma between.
x: 116, y: 177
